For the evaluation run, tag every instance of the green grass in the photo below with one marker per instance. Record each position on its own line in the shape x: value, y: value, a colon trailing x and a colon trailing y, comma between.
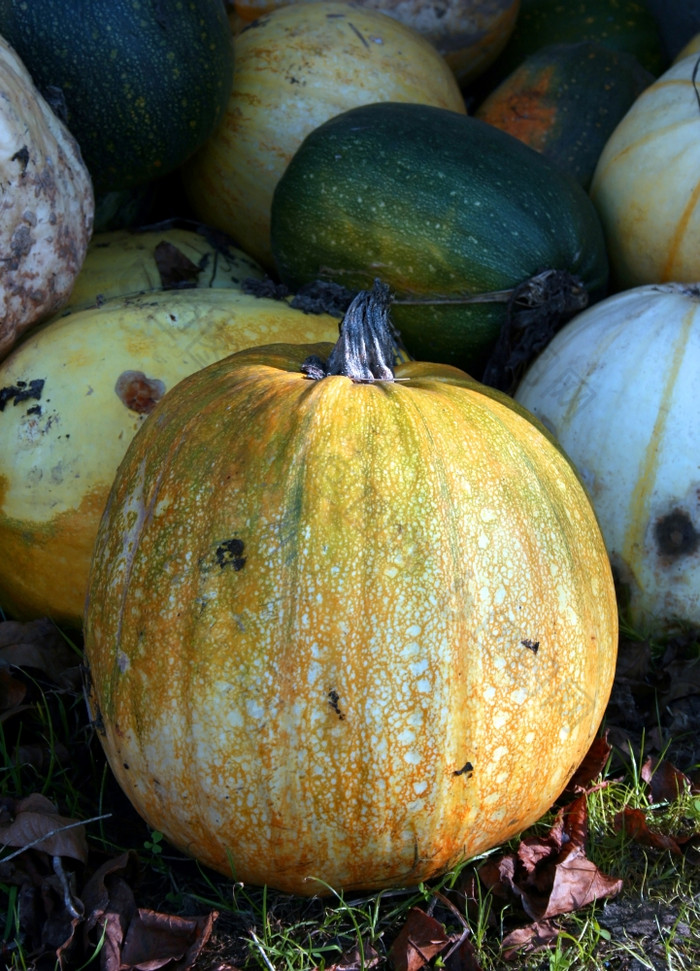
x: 654, y: 923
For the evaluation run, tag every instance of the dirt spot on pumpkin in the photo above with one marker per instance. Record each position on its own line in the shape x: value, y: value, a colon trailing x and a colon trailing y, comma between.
x: 466, y: 769
x: 675, y: 535
x: 176, y: 270
x: 230, y: 553
x: 334, y: 702
x: 22, y: 391
x: 139, y: 393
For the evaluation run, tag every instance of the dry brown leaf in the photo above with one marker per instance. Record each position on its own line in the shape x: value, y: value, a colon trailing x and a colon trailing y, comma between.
x: 155, y: 940
x: 34, y: 822
x: 665, y: 782
x: 576, y: 882
x: 550, y: 875
x: 681, y: 671
x: 12, y: 692
x: 532, y: 937
x: 593, y: 764
x: 420, y: 939
x: 634, y: 823
x: 138, y: 939
x: 176, y: 270
x: 463, y: 957
x: 357, y: 958
x: 38, y: 644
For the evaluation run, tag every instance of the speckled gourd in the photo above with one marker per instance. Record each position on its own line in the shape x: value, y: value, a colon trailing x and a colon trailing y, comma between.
x: 123, y: 262
x: 296, y: 67
x: 345, y: 633
x: 47, y: 204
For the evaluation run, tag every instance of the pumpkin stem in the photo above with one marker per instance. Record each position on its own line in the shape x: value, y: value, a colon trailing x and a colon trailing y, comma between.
x: 537, y: 308
x: 368, y: 345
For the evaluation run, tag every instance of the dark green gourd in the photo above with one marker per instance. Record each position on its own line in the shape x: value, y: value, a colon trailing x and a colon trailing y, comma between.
x: 450, y: 212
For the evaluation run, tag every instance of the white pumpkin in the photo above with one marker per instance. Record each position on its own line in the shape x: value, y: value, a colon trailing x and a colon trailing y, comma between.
x: 646, y: 186
x: 618, y: 386
x: 47, y: 204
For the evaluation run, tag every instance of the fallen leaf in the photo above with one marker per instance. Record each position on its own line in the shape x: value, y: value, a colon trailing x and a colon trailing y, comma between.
x: 176, y: 270
x: 576, y: 882
x: 549, y: 875
x: 12, y: 692
x: 592, y: 765
x: 34, y: 822
x: 634, y: 823
x: 420, y: 939
x: 39, y: 645
x: 532, y: 937
x: 136, y: 938
x: 463, y: 957
x: 154, y: 940
x: 666, y: 783
x: 357, y: 958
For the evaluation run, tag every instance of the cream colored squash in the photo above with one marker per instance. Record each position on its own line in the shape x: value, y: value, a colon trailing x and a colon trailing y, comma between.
x: 618, y: 386
x: 469, y: 34
x: 692, y: 47
x: 646, y: 186
x: 47, y: 204
x: 295, y: 68
x: 72, y: 396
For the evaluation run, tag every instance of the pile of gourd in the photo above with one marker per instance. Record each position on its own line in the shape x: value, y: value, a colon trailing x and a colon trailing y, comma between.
x: 349, y: 617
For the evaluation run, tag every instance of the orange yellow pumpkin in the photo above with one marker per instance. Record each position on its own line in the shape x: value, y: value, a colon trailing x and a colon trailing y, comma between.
x: 345, y: 632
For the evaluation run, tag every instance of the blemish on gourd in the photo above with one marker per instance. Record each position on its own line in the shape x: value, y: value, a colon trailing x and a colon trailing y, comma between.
x: 230, y: 553
x: 22, y: 391
x: 466, y: 770
x: 531, y: 645
x: 675, y: 535
x: 138, y: 392
x: 333, y: 701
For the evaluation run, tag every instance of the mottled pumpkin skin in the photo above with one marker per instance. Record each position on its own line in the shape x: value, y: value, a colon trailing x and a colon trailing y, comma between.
x: 349, y: 633
x: 565, y: 101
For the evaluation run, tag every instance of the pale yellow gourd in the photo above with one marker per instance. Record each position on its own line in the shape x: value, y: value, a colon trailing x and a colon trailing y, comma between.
x: 74, y: 393
x: 122, y: 262
x: 646, y: 186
